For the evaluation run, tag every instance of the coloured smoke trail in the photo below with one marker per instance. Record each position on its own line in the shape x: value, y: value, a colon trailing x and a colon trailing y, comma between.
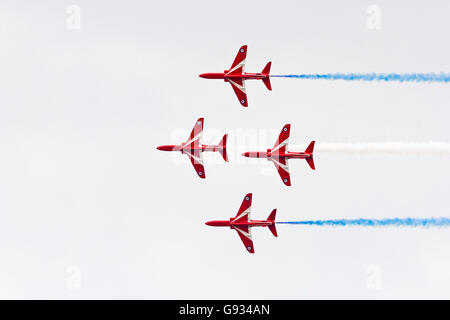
x: 398, y: 77
x: 392, y: 222
x: 383, y: 147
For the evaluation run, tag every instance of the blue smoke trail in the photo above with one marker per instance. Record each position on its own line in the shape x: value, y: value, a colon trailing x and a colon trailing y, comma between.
x: 397, y: 222
x: 405, y: 77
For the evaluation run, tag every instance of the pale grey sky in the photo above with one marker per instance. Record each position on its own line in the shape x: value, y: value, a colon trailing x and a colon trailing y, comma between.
x: 90, y: 209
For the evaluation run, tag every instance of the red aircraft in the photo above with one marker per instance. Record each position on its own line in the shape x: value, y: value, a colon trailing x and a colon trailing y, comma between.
x: 242, y: 223
x: 236, y: 76
x: 193, y: 149
x: 279, y: 155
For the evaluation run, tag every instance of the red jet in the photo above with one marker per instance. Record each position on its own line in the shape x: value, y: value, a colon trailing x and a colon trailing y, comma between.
x: 242, y: 223
x: 236, y: 76
x: 193, y: 149
x: 279, y: 155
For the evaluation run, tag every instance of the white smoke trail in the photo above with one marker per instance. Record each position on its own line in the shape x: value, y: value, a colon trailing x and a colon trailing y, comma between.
x: 382, y: 147
x: 396, y: 222
x: 400, y: 77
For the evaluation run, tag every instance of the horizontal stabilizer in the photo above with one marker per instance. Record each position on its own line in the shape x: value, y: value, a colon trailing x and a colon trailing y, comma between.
x: 223, y: 147
x: 310, y: 161
x: 272, y: 215
x: 273, y: 230
x: 267, y: 83
x: 271, y: 218
x: 310, y: 148
x: 310, y: 151
x: 266, y: 71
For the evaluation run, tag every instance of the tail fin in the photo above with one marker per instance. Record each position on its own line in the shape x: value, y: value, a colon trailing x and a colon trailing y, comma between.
x: 266, y: 71
x: 223, y: 147
x: 271, y: 218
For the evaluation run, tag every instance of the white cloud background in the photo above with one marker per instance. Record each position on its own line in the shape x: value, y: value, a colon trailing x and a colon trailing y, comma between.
x: 81, y: 183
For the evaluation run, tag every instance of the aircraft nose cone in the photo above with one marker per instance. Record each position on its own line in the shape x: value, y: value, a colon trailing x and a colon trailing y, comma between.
x: 208, y: 223
x: 164, y: 148
x: 203, y: 75
x: 246, y: 154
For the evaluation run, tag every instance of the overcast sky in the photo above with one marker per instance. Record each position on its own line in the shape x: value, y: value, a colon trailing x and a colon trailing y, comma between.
x: 90, y: 209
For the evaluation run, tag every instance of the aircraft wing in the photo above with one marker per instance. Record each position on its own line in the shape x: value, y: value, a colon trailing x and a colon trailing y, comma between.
x: 246, y: 237
x: 283, y: 169
x: 197, y: 161
x: 239, y: 62
x: 243, y: 214
x: 282, y: 141
x: 195, y: 136
x: 192, y: 148
x: 238, y: 86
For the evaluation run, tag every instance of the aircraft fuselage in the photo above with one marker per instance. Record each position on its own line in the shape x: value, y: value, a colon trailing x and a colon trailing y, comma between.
x: 225, y: 76
x: 229, y: 223
x: 202, y: 148
x: 268, y: 155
